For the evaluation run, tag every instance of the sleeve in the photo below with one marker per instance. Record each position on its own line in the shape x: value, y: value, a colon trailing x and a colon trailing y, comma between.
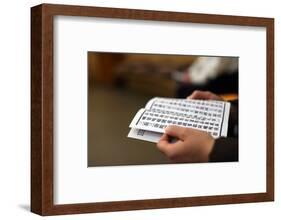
x: 233, y: 120
x: 224, y: 150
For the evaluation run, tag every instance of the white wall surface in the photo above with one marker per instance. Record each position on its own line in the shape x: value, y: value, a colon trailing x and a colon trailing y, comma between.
x: 15, y: 109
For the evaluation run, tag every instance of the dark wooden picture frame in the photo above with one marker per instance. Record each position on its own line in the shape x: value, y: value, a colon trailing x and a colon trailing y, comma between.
x: 42, y: 108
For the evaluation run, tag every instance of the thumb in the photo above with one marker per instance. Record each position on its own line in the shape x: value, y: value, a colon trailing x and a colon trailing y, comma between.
x: 176, y: 131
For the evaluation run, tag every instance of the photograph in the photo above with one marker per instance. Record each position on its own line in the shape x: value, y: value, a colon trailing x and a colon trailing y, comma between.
x: 146, y: 109
x: 136, y: 109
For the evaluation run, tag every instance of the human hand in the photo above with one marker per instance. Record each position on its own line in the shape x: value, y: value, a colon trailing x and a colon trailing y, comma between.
x: 205, y: 95
x: 191, y: 145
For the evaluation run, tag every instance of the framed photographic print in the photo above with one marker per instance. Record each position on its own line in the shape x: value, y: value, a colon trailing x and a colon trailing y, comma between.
x: 139, y: 109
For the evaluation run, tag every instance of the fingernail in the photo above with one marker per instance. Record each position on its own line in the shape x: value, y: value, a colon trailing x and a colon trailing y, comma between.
x: 167, y: 128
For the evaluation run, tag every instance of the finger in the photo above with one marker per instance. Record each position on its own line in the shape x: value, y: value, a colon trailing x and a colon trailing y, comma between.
x: 164, y: 137
x: 197, y: 94
x: 176, y: 131
x: 163, y: 143
x: 167, y: 147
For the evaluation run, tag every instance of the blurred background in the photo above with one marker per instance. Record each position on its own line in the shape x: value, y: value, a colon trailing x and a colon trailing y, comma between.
x: 119, y: 84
